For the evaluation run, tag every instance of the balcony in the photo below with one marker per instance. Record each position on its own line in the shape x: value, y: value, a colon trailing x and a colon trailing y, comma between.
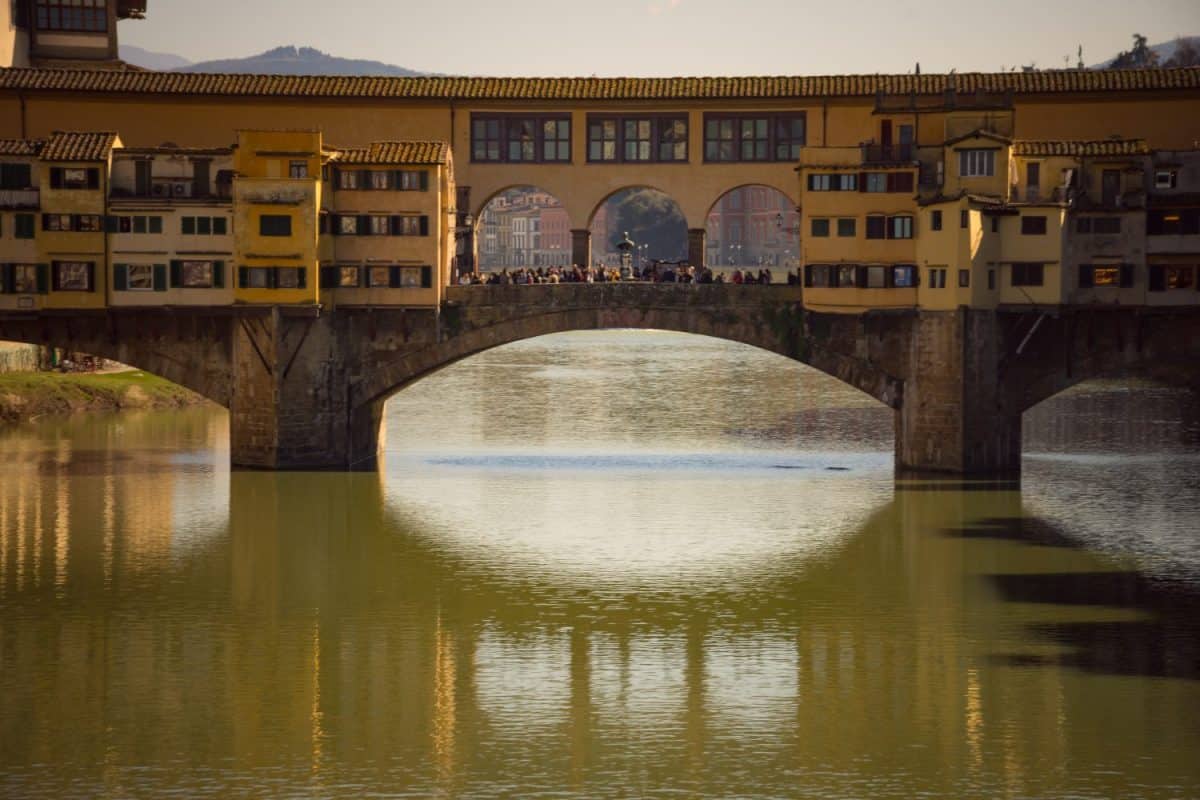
x: 889, y: 154
x: 20, y: 198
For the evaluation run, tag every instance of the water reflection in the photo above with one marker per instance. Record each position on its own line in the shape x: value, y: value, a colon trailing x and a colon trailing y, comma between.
x: 702, y: 623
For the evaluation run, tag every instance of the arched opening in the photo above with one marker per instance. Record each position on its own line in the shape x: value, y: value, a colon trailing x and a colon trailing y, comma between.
x: 653, y: 220
x: 753, y: 227
x: 522, y: 227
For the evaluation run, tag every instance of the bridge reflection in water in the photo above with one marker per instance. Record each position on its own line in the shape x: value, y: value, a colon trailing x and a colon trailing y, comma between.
x: 317, y: 632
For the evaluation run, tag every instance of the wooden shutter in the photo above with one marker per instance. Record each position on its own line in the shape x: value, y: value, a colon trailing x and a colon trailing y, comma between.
x: 43, y: 278
x: 424, y: 180
x: 860, y: 277
x: 862, y: 181
x: 426, y: 277
x: 7, y: 278
x: 93, y: 178
x: 188, y: 226
x: 327, y: 278
x: 111, y: 224
x: 1087, y: 276
x: 364, y: 180
x: 424, y: 225
x: 1127, y: 276
x: 56, y: 177
x: 808, y: 275
x: 160, y: 276
x: 364, y: 225
x: 218, y: 274
x: 176, y: 274
x: 302, y: 278
x: 394, y: 277
x: 1158, y: 278
x: 91, y: 273
x: 243, y: 277
x: 156, y: 225
x: 396, y: 226
x: 120, y: 277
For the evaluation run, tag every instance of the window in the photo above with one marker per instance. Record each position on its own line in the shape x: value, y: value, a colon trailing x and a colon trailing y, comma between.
x: 900, y: 182
x: 348, y: 277
x: 519, y: 138
x: 56, y: 222
x: 992, y: 279
x: 1027, y: 274
x: 139, y: 277
x: 88, y: 16
x: 900, y: 227
x: 73, y: 276
x: 297, y: 169
x: 197, y: 274
x: 410, y: 225
x: 846, y: 227
x: 753, y: 137
x: 1083, y: 225
x: 904, y: 277
x: 25, y: 279
x: 964, y: 278
x: 1173, y: 221
x: 204, y: 226
x: 380, y: 179
x: 412, y: 180
x: 976, y: 163
x: 820, y: 183
x: 379, y: 277
x: 820, y: 228
x: 347, y: 179
x: 347, y: 226
x: 995, y: 224
x: 23, y: 226
x: 256, y: 277
x: 381, y: 226
x: 877, y: 182
x: 935, y: 220
x: 289, y: 277
x: 661, y: 139
x: 1033, y: 226
x: 846, y: 182
x: 1180, y: 277
x: 410, y: 278
x: 847, y: 276
x: 817, y: 276
x: 16, y: 176
x: 877, y: 277
x: 274, y: 225
x: 1106, y: 225
x: 964, y: 218
x: 74, y: 178
x: 1105, y: 276
x: 876, y: 227
x: 1166, y: 179
x: 91, y: 223
x: 937, y: 278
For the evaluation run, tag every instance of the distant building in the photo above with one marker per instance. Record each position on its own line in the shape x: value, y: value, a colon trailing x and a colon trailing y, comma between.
x: 75, y: 33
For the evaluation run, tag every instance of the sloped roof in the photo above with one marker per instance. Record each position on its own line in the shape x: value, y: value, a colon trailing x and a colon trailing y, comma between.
x: 978, y: 133
x: 401, y: 152
x: 1102, y: 147
x: 78, y: 146
x: 191, y: 83
x: 20, y: 147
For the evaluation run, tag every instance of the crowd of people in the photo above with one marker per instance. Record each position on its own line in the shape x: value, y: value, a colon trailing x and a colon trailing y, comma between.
x: 656, y: 272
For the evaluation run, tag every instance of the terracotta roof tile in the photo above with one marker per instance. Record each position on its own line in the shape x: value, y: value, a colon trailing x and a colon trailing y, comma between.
x: 190, y: 83
x: 78, y: 146
x: 21, y: 147
x: 395, y: 153
x: 1103, y: 147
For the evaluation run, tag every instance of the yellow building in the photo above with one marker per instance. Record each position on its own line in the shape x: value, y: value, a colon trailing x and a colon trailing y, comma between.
x: 22, y: 279
x: 276, y: 200
x: 73, y: 170
x: 387, y: 224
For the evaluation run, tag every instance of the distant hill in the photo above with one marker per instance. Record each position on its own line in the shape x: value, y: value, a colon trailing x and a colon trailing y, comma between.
x: 297, y: 61
x: 1164, y: 49
x: 150, y: 59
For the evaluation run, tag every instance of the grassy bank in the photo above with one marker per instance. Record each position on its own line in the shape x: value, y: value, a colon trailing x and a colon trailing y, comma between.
x: 30, y: 395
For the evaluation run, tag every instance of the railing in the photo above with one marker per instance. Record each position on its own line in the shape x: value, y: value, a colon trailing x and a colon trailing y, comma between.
x: 19, y: 198
x: 889, y: 153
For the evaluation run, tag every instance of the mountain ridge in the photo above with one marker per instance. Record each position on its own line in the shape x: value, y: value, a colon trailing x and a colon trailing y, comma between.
x: 285, y: 60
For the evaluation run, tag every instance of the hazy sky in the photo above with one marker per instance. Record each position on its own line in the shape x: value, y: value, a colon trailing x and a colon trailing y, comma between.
x: 667, y: 37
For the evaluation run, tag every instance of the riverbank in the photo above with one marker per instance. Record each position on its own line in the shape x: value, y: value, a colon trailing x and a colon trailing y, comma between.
x: 27, y: 396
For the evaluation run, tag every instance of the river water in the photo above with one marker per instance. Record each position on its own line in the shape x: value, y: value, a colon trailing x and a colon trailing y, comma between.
x: 610, y: 564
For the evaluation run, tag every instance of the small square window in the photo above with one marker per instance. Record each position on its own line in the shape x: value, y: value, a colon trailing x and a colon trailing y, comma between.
x: 298, y: 169
x: 347, y: 277
x: 935, y: 220
x: 820, y: 228
x: 1033, y: 226
x: 847, y: 227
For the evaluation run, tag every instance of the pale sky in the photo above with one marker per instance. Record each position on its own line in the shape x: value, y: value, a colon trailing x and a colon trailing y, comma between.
x: 667, y: 37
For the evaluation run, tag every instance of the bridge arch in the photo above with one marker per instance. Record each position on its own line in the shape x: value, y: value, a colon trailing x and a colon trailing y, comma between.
x: 753, y: 224
x: 662, y: 229
x: 503, y: 237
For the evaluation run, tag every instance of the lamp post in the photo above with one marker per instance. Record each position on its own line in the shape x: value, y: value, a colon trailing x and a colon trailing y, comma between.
x: 626, y: 246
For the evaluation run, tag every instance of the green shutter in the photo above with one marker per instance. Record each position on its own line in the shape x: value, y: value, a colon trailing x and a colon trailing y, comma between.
x: 302, y: 278
x: 218, y: 226
x: 218, y: 274
x: 364, y: 225
x: 426, y: 277
x: 176, y: 274
x: 156, y: 225
x: 160, y: 277
x: 424, y: 225
x: 120, y: 277
x: 424, y: 180
x: 43, y: 278
x: 26, y: 226
x: 188, y: 226
x: 394, y: 277
x: 243, y: 277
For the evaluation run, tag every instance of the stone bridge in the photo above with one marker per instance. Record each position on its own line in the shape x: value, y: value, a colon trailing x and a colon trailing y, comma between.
x: 306, y: 386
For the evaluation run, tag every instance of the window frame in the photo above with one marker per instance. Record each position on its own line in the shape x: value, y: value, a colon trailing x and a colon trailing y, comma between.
x: 505, y: 139
x: 56, y: 275
x: 659, y: 125
x: 1032, y: 274
x: 737, y: 139
x: 1030, y: 223
x: 977, y: 162
x: 281, y: 233
x: 71, y: 16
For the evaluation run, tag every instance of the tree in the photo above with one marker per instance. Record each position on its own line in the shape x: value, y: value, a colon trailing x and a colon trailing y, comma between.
x: 1186, y: 54
x: 653, y: 219
x: 1140, y: 56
